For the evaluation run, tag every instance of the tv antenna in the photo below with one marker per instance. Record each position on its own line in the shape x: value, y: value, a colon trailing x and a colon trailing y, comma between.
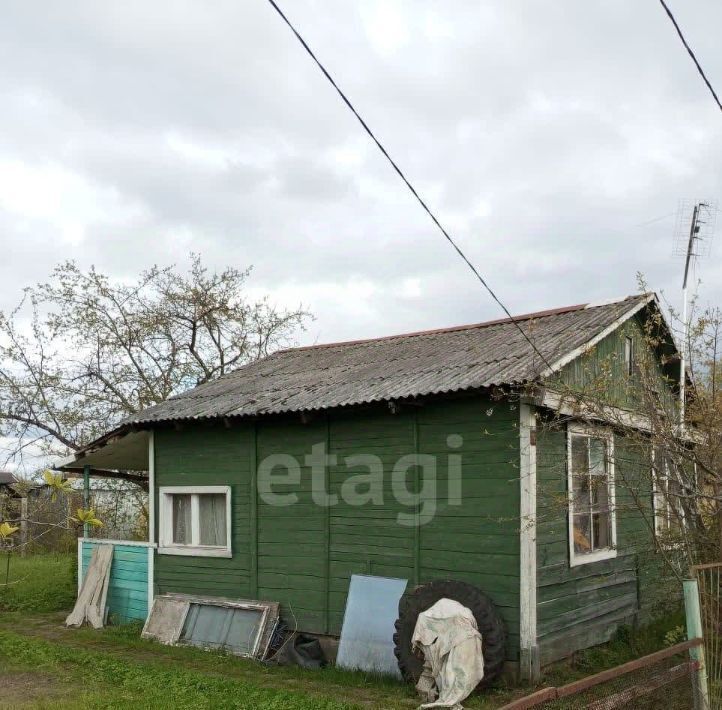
x: 691, y: 243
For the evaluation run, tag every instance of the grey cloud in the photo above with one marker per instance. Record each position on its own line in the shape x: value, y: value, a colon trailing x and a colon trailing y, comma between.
x: 542, y: 135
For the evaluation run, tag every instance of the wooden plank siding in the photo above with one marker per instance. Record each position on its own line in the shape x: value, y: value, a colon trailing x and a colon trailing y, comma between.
x: 585, y: 605
x: 128, y: 586
x: 601, y: 370
x: 478, y: 541
x: 292, y: 540
x: 207, y: 455
x: 304, y: 555
x: 581, y: 606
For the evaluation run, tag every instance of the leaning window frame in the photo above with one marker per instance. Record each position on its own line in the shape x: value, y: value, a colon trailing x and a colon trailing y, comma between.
x: 577, y: 559
x: 175, y: 608
x: 166, y: 546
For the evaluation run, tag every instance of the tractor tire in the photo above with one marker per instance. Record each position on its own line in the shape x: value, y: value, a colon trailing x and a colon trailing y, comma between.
x: 488, y: 620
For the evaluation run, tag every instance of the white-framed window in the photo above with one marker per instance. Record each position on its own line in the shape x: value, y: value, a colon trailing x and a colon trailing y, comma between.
x: 590, y: 471
x: 666, y: 497
x: 629, y: 355
x: 195, y: 520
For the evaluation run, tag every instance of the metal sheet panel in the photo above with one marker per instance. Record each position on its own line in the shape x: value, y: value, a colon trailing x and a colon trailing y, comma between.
x: 367, y: 635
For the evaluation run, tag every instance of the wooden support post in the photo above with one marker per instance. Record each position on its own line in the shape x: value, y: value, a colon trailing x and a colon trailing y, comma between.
x: 253, y: 516
x: 694, y: 631
x: 529, y: 650
x: 417, y: 511
x: 86, y: 496
x: 327, y: 525
x: 151, y: 519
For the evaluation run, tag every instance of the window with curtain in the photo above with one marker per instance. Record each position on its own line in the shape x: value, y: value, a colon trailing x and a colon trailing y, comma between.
x: 181, y: 519
x: 212, y: 519
x: 194, y: 520
x: 591, y: 486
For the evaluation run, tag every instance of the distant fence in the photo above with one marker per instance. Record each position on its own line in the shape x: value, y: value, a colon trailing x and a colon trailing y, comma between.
x: 709, y: 582
x: 42, y: 519
x: 130, y: 590
x: 663, y: 680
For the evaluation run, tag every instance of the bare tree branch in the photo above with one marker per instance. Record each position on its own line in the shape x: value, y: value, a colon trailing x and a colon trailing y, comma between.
x: 80, y: 352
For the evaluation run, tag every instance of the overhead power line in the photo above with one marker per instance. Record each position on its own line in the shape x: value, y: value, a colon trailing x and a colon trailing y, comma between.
x: 408, y: 184
x: 691, y: 53
x: 654, y: 220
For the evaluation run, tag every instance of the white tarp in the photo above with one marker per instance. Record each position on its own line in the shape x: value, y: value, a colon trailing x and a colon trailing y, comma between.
x: 94, y: 592
x: 447, y: 635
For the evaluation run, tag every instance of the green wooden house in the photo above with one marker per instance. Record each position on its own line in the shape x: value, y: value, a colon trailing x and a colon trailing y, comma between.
x: 419, y: 456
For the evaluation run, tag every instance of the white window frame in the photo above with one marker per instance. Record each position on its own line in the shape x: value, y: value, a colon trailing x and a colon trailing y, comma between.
x: 575, y: 558
x: 662, y: 506
x: 629, y: 355
x: 166, y: 546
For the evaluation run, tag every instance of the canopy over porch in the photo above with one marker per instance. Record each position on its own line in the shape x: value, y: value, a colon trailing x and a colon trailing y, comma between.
x: 120, y: 454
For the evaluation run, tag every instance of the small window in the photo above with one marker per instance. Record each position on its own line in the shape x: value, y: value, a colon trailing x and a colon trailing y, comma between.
x: 667, y: 498
x: 592, y: 531
x: 195, y: 520
x: 629, y: 355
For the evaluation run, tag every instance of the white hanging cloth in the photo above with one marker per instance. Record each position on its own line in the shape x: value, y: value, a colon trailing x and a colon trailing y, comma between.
x: 93, y: 595
x: 448, y: 636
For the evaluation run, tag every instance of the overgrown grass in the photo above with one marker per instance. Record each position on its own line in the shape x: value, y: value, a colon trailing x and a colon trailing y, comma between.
x: 127, y: 638
x: 105, y: 681
x: 115, y: 668
x: 38, y: 583
x: 630, y: 643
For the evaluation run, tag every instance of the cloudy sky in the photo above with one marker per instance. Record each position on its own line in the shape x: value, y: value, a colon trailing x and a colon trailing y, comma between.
x: 554, y: 140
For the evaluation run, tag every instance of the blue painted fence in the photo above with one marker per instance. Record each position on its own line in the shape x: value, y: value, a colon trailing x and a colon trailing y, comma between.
x: 128, y: 588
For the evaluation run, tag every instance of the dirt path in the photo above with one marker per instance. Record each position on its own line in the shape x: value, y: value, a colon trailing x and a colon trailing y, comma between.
x: 25, y: 688
x: 50, y: 627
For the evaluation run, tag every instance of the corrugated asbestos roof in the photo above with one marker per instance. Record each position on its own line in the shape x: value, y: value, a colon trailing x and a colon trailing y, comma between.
x: 395, y: 367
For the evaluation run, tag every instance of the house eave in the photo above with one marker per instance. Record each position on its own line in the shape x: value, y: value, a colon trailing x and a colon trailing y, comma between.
x: 120, y: 450
x: 585, y: 347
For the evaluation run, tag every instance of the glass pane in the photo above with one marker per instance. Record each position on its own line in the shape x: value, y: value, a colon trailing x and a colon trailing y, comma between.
x: 581, y: 498
x: 629, y: 355
x: 582, y: 534
x: 210, y: 626
x: 372, y: 606
x: 676, y: 510
x: 181, y: 519
x: 212, y: 511
x: 597, y: 457
x: 600, y: 493
x: 601, y: 525
x: 206, y: 625
x: 244, y: 629
x: 580, y: 451
x: 659, y: 463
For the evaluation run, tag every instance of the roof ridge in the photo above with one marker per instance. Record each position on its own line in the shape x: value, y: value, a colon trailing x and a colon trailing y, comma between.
x: 470, y: 326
